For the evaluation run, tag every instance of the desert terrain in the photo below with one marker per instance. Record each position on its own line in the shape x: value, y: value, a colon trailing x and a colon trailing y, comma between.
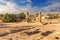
x: 29, y: 31
x: 29, y: 19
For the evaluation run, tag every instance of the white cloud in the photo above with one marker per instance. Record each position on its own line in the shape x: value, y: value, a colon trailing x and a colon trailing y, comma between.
x: 12, y: 7
x: 9, y: 6
x: 53, y: 7
x: 30, y: 9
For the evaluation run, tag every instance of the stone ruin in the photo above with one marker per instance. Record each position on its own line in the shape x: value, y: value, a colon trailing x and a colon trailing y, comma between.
x: 38, y: 19
x: 27, y: 16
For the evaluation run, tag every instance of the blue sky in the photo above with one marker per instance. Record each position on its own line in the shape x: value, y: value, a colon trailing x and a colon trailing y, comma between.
x: 32, y: 6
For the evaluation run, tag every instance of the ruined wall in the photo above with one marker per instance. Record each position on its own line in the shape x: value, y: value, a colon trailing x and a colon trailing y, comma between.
x: 40, y: 19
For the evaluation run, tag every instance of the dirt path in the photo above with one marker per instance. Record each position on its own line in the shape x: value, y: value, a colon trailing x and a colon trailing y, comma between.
x: 29, y: 31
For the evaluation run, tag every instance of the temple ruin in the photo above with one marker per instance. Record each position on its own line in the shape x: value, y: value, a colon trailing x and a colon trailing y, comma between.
x: 38, y: 18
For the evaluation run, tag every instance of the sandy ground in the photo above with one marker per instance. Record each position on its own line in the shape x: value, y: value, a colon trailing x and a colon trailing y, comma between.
x: 29, y: 31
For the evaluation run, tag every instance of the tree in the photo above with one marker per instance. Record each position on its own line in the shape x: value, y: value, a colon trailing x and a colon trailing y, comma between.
x: 21, y: 15
x: 13, y: 17
x: 8, y: 18
x: 52, y: 16
x: 37, y: 14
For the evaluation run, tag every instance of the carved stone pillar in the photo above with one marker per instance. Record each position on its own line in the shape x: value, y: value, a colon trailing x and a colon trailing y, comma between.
x: 27, y: 14
x: 39, y: 16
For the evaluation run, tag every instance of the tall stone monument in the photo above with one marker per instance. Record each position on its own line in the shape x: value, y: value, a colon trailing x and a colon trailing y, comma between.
x: 39, y: 16
x: 27, y: 15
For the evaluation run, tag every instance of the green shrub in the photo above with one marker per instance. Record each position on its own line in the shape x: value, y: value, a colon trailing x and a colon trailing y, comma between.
x: 13, y: 17
x: 21, y: 15
x: 8, y: 18
x: 52, y: 16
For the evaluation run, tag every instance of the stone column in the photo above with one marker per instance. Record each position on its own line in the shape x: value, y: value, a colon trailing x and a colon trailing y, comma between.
x: 39, y: 16
x: 27, y: 14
